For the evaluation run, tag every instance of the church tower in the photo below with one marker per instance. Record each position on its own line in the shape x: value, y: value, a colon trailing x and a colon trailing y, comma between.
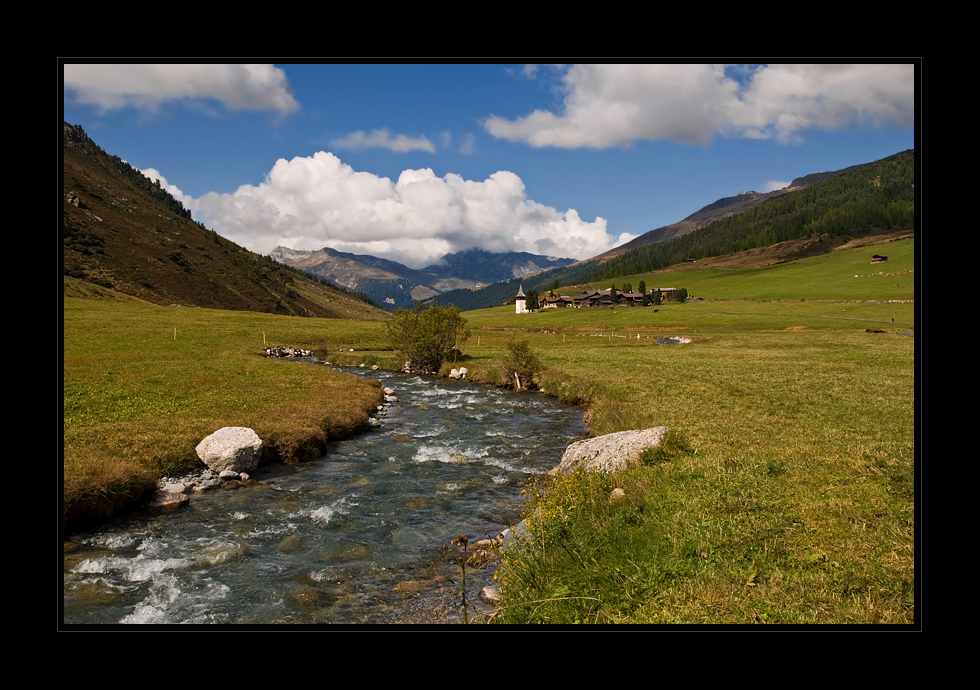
x: 521, y: 301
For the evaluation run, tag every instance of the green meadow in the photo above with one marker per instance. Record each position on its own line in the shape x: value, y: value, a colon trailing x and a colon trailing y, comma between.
x: 840, y: 275
x: 788, y: 497
x: 786, y: 494
x: 143, y: 384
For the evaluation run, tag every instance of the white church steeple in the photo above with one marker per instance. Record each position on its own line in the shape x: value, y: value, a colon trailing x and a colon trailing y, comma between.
x: 521, y: 301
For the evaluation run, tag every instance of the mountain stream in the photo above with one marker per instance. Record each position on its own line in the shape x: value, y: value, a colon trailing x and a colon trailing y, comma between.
x: 357, y: 536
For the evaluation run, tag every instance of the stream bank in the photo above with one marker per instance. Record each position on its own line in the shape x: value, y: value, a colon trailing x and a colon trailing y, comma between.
x: 356, y: 537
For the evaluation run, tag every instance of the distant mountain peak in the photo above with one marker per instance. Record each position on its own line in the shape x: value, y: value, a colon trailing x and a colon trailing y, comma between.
x: 396, y: 285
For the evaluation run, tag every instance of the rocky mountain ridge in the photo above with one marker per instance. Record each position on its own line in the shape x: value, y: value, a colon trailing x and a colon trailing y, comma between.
x: 394, y: 285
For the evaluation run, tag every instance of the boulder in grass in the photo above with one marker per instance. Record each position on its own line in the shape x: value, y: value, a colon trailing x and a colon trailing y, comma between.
x: 235, y: 448
x: 611, y: 452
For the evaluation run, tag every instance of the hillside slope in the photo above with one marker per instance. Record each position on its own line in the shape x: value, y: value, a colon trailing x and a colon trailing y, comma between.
x: 871, y: 199
x: 122, y: 231
x: 814, y: 214
x: 720, y: 209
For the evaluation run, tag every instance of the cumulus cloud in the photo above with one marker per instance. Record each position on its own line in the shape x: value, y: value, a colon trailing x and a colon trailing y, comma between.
x: 784, y: 101
x: 317, y: 201
x: 623, y: 238
x: 154, y: 174
x: 146, y: 87
x: 381, y: 138
x: 617, y: 105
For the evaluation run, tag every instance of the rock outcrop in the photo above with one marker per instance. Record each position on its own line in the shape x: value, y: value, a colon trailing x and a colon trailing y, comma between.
x: 163, y: 501
x: 611, y: 452
x: 234, y: 448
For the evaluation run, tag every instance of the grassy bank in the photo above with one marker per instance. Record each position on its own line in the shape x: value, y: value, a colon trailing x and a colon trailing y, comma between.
x: 790, y: 498
x: 144, y: 384
x: 794, y: 501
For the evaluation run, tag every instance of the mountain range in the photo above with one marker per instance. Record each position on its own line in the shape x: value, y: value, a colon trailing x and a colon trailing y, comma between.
x: 829, y: 208
x: 393, y: 285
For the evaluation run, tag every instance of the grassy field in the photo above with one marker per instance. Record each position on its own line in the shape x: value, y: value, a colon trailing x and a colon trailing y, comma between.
x: 789, y: 497
x: 840, y: 275
x: 143, y: 384
x: 800, y: 480
x: 794, y: 501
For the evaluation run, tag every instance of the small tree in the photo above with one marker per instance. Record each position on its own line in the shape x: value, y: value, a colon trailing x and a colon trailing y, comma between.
x: 521, y: 364
x: 532, y: 300
x: 426, y: 337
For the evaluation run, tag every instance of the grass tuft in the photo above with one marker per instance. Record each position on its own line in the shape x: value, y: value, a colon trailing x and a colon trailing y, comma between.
x: 673, y: 445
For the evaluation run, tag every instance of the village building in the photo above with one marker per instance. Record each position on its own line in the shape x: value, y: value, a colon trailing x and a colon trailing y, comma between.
x: 521, y: 301
x: 592, y: 298
x: 631, y: 299
x: 595, y: 299
x: 558, y: 301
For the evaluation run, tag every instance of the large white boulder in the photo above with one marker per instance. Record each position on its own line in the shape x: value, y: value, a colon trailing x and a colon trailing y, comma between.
x: 611, y: 452
x: 235, y: 448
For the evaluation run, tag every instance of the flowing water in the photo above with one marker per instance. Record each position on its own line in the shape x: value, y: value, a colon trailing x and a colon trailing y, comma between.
x: 357, y: 536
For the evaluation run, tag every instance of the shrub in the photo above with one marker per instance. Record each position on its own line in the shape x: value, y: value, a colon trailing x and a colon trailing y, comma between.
x: 425, y: 337
x: 519, y: 367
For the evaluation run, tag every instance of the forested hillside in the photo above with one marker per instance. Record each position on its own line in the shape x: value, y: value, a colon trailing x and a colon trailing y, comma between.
x: 873, y: 198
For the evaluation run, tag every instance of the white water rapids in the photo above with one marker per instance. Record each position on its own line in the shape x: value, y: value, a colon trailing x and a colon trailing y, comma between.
x: 354, y: 537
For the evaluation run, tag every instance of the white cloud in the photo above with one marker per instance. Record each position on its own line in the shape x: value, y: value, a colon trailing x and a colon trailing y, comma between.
x: 318, y: 201
x: 617, y: 105
x: 381, y: 138
x: 154, y: 174
x: 785, y: 101
x: 623, y: 238
x: 773, y: 185
x: 147, y: 86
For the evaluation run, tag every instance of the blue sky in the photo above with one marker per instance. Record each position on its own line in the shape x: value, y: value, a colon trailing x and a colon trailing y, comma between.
x: 409, y: 162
